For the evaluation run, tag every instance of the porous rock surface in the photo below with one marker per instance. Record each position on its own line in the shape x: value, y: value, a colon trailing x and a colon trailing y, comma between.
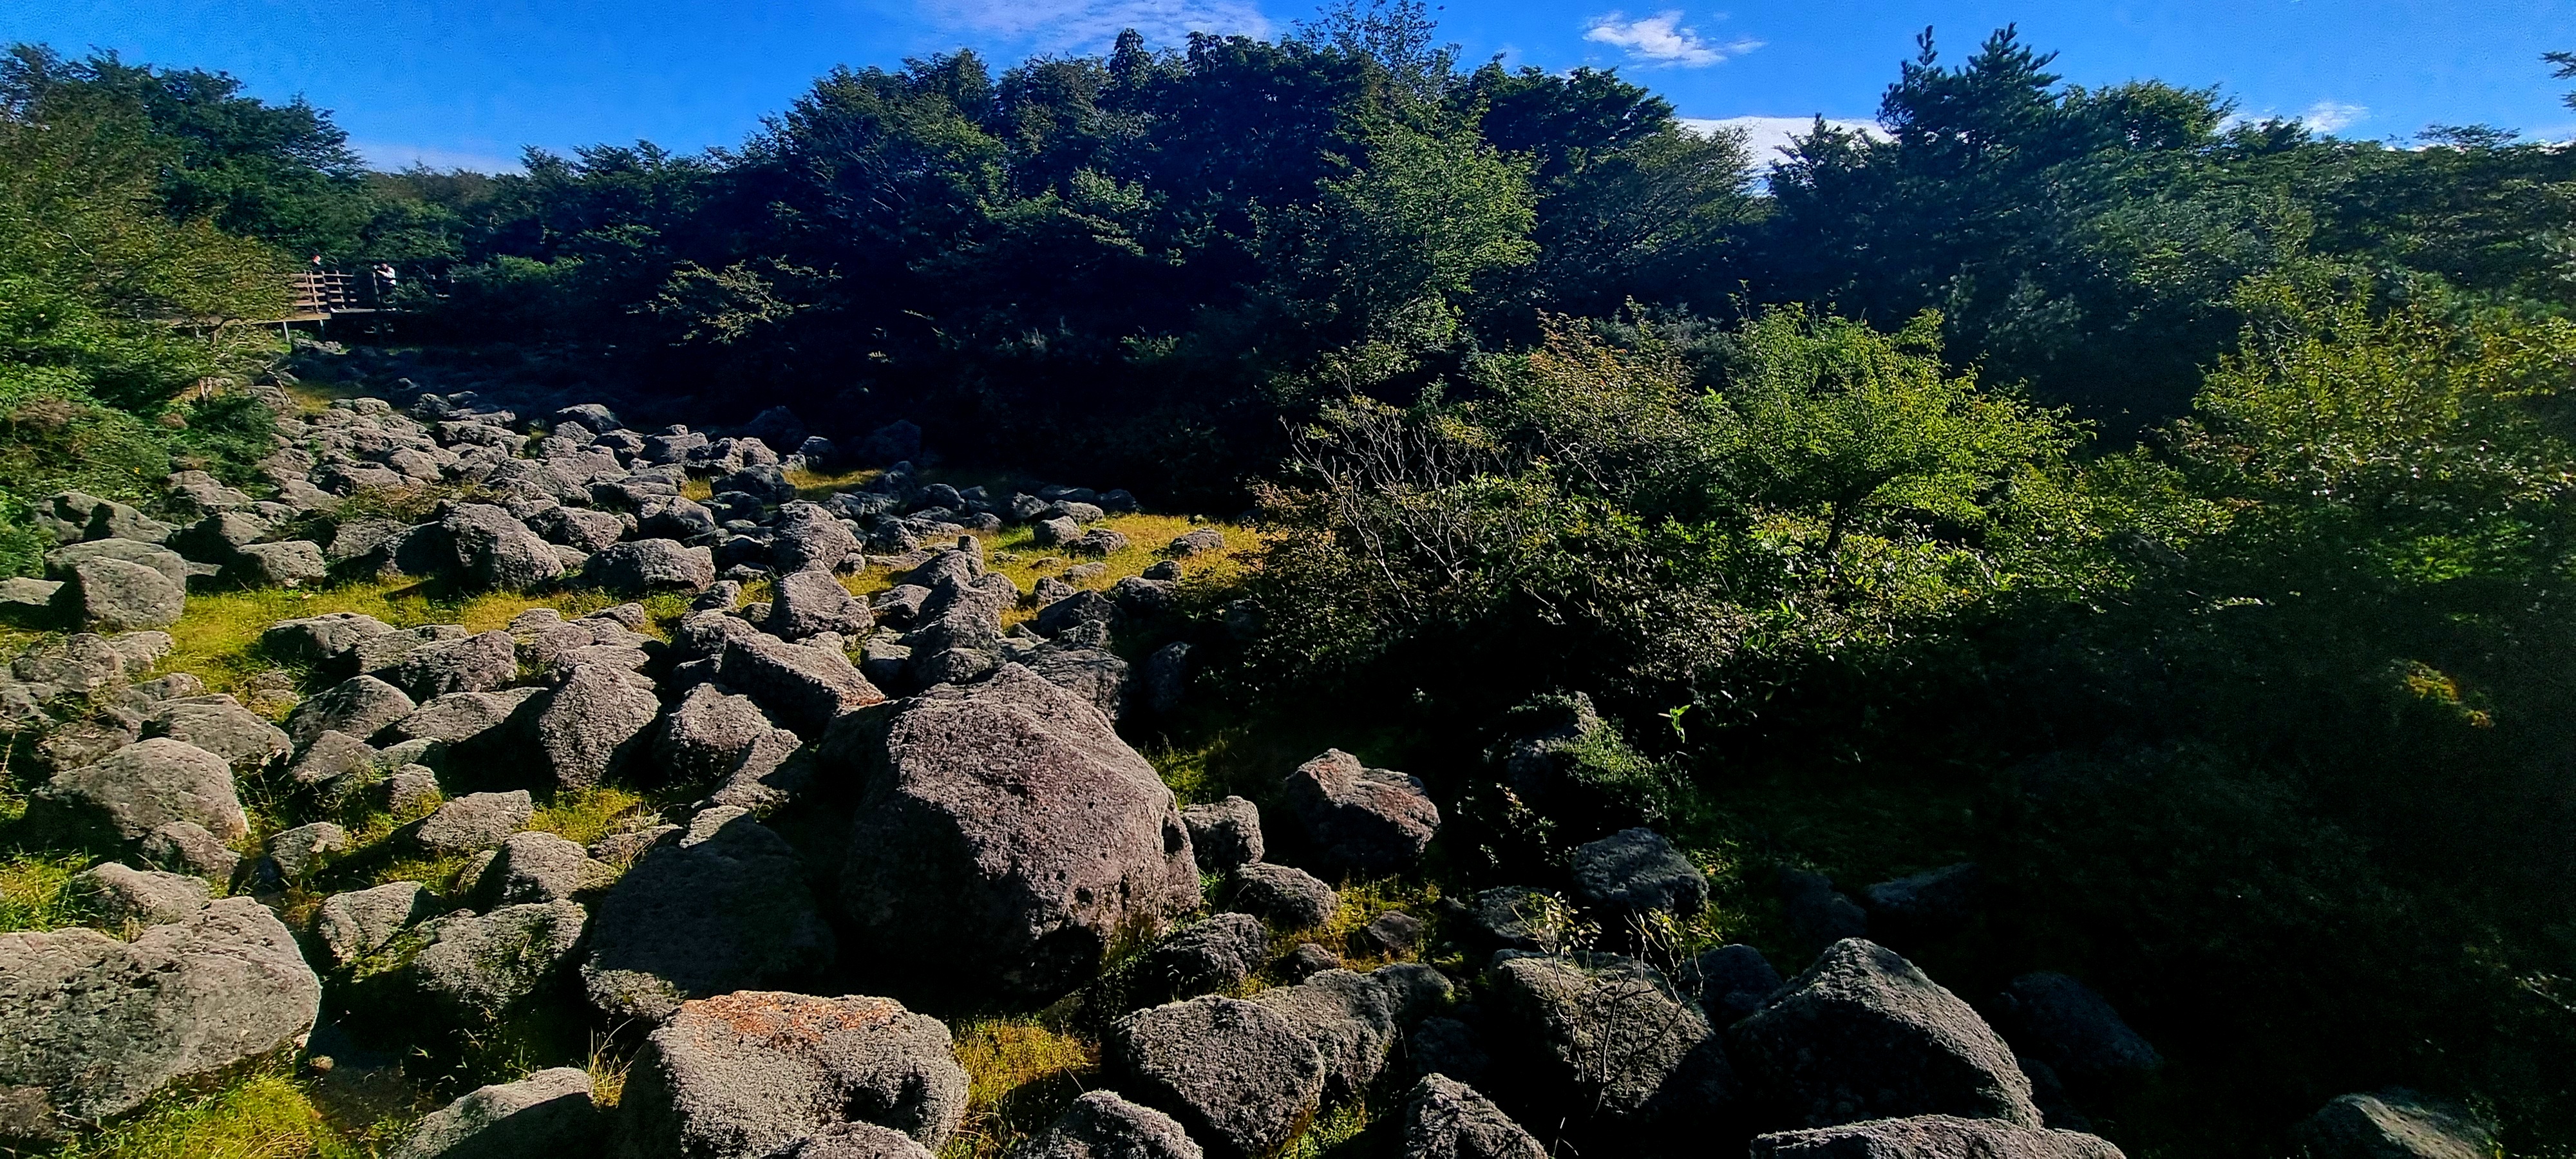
x: 748, y: 1073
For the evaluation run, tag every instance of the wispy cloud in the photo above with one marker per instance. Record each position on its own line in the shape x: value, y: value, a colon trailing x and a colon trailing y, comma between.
x: 1072, y: 24
x: 388, y: 158
x: 2334, y: 116
x: 1663, y: 41
x: 1766, y: 139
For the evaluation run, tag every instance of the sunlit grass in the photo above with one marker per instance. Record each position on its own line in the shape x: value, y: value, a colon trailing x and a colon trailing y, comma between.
x: 583, y: 816
x: 31, y: 891
x: 265, y: 1115
x: 1020, y: 1075
x: 1014, y: 552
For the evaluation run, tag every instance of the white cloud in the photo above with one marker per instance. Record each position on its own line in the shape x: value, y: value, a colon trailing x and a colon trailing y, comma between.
x: 1767, y: 138
x: 1089, y: 24
x: 1661, y: 41
x: 2334, y: 116
x: 388, y: 158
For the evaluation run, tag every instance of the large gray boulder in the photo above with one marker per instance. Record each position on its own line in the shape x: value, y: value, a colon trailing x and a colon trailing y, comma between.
x: 143, y: 786
x: 459, y: 717
x: 478, y: 663
x: 1005, y: 833
x: 1237, y: 1075
x: 1100, y: 1125
x: 803, y: 689
x: 1094, y: 674
x: 82, y: 662
x: 290, y: 563
x: 807, y: 602
x: 479, y: 968
x: 1360, y: 820
x: 113, y: 595
x: 1447, y: 1119
x: 119, y: 894
x: 719, y: 907
x: 324, y: 640
x: 497, y: 551
x: 1934, y: 1137
x: 1863, y: 1034
x: 62, y: 562
x: 746, y: 1074
x: 1637, y: 871
x: 220, y: 725
x: 641, y: 566
x: 96, y: 1026
x: 474, y: 821
x: 1349, y: 1018
x: 547, y: 1115
x: 360, y: 706
x: 537, y: 867
x: 2394, y: 1124
x: 854, y: 1141
x: 1600, y: 1040
x: 707, y: 735
x: 807, y: 536
x: 591, y: 723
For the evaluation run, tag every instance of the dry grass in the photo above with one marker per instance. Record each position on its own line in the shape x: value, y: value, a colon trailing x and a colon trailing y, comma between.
x: 1013, y: 551
x: 1020, y: 1075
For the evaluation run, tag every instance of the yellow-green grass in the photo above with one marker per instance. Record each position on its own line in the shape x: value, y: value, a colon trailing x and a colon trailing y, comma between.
x: 31, y: 891
x: 264, y: 1115
x: 1014, y: 552
x: 1020, y: 1074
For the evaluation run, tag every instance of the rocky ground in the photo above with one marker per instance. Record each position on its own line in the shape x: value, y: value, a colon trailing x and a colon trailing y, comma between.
x: 796, y: 819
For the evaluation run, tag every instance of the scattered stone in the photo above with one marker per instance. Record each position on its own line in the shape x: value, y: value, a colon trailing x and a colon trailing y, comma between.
x: 459, y: 717
x: 96, y: 1026
x: 81, y: 663
x: 1096, y: 675
x: 1349, y: 1018
x: 300, y: 850
x: 1213, y: 955
x: 328, y: 761
x: 220, y: 725
x: 187, y: 847
x: 360, y: 706
x: 591, y: 723
x: 119, y: 894
x: 1225, y: 834
x: 2394, y: 1124
x: 1360, y: 820
x: 2075, y: 1031
x: 322, y: 640
x: 1306, y: 961
x: 1735, y: 980
x: 1235, y: 1074
x: 807, y: 536
x: 808, y: 602
x: 476, y: 663
x: 1932, y: 902
x: 538, y: 867
x: 1933, y: 1137
x: 1284, y: 896
x: 642, y: 566
x: 478, y: 969
x: 361, y: 922
x: 1863, y: 1034
x: 1447, y: 1119
x: 1197, y: 541
x: 1005, y: 832
x: 803, y: 689
x: 546, y: 1115
x: 1819, y: 916
x: 723, y: 908
x: 145, y: 785
x: 707, y: 735
x: 1167, y: 676
x: 1100, y: 1125
x: 854, y: 1141
x: 292, y: 563
x: 474, y: 821
x: 745, y: 1074
x: 1637, y: 871
x: 113, y: 594
x: 497, y: 551
x: 1392, y: 934
x: 1601, y: 1038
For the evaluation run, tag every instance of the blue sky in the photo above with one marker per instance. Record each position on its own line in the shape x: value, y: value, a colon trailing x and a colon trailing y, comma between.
x: 468, y: 82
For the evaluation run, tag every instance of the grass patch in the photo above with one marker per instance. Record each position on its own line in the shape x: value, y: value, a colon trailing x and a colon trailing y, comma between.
x: 1335, y: 1132
x: 582, y: 816
x: 266, y: 1115
x: 1013, y: 551
x: 31, y: 891
x: 1020, y: 1074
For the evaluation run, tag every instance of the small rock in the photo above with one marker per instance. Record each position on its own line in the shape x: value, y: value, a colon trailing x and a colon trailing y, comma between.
x: 1360, y: 820
x: 114, y: 595
x: 1235, y: 1074
x: 1286, y: 897
x: 2075, y: 1031
x: 592, y: 723
x: 1306, y: 961
x: 299, y: 851
x: 1637, y: 871
x: 1863, y: 1034
x: 1100, y: 1125
x: 538, y: 867
x: 474, y: 821
x: 745, y: 1074
x: 1933, y: 1137
x: 292, y: 563
x: 1735, y: 980
x: 478, y: 969
x: 361, y: 922
x: 723, y: 908
x: 220, y: 725
x: 120, y: 894
x: 360, y: 706
x: 546, y: 1115
x: 803, y: 689
x: 1225, y: 834
x: 187, y: 847
x: 145, y: 785
x: 1167, y: 676
x: 1819, y: 916
x: 1393, y: 934
x: 2394, y: 1124
x: 642, y: 566
x: 1213, y: 955
x: 1447, y: 1119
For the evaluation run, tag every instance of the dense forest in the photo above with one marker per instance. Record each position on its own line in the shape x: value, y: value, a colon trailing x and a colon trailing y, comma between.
x: 2172, y: 512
